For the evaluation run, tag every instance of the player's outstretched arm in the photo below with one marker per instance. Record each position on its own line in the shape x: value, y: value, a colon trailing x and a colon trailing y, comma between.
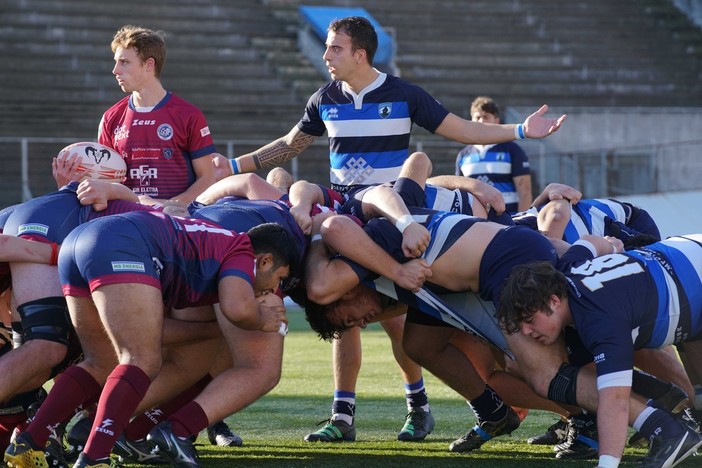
x: 275, y: 153
x: 478, y: 133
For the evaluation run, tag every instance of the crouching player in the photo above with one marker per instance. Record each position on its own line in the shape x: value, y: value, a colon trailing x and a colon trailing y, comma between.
x: 118, y: 274
x: 645, y: 298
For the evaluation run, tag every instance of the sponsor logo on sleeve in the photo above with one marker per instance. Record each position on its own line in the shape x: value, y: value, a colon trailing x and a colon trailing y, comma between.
x: 204, y: 131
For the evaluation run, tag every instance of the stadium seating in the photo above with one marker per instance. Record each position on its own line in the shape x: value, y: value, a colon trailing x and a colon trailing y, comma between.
x: 238, y: 61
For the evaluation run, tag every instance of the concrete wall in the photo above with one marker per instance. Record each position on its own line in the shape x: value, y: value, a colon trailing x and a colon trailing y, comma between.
x: 670, y: 139
x: 675, y: 213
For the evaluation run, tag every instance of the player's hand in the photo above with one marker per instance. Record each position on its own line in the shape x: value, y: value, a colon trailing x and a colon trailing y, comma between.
x: 302, y: 218
x: 537, y: 126
x: 616, y: 243
x: 556, y: 191
x: 93, y: 192
x: 66, y: 170
x: 413, y: 274
x: 415, y: 240
x: 318, y: 220
x: 489, y: 196
x: 222, y: 166
x: 272, y: 311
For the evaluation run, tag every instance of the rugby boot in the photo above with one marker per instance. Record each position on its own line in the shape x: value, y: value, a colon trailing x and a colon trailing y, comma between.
x: 418, y: 425
x: 179, y: 452
x: 334, y: 431
x: 486, y: 430
x: 221, y: 435
x: 556, y: 434
x: 24, y: 453
x: 581, y: 441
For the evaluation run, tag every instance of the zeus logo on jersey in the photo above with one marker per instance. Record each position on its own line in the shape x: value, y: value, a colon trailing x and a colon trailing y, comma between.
x: 137, y: 122
x: 144, y: 173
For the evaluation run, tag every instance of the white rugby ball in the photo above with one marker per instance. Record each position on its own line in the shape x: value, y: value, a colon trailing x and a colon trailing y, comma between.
x: 97, y: 161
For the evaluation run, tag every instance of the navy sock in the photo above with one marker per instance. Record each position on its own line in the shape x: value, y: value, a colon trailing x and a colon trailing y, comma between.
x: 344, y: 406
x: 416, y: 395
x: 488, y: 406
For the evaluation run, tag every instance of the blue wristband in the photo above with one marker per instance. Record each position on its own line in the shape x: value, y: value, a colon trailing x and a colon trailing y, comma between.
x: 519, y: 132
x: 235, y: 166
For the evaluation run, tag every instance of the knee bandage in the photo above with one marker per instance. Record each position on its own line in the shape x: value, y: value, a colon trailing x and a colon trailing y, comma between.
x: 563, y: 385
x: 45, y: 319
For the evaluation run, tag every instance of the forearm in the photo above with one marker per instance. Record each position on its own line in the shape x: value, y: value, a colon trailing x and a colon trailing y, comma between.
x: 337, y: 231
x: 326, y: 279
x: 456, y: 182
x: 198, y: 187
x: 612, y: 420
x: 275, y: 153
x: 15, y: 249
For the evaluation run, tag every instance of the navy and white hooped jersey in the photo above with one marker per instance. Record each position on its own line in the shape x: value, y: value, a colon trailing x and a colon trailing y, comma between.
x: 369, y: 132
x: 445, y: 229
x: 601, y: 217
x: 443, y: 199
x: 644, y: 298
x: 432, y: 197
x: 496, y: 165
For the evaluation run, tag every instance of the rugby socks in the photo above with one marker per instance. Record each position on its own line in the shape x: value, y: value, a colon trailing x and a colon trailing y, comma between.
x: 488, y: 406
x: 656, y: 422
x: 124, y: 390
x: 140, y: 426
x: 697, y: 400
x: 344, y: 406
x: 72, y: 388
x: 648, y: 386
x: 417, y: 396
x: 189, y: 420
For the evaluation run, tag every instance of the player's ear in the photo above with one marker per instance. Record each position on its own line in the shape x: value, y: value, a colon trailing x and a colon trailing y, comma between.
x: 264, y: 261
x: 554, y: 302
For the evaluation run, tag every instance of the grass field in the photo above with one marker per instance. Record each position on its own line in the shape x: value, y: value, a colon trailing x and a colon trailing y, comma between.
x: 274, y: 426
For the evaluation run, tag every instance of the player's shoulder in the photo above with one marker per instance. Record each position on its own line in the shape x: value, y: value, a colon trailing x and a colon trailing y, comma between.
x: 116, y: 108
x: 182, y: 104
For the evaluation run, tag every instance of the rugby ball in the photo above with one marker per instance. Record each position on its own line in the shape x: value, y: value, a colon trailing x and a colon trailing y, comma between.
x: 97, y: 161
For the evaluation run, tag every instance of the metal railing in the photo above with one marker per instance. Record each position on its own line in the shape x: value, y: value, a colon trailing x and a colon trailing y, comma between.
x: 606, y: 172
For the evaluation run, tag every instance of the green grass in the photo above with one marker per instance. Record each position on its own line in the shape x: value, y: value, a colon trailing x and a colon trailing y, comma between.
x: 274, y: 426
